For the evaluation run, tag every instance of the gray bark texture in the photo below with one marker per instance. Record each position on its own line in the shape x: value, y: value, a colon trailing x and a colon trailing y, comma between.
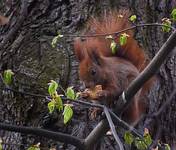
x: 25, y: 47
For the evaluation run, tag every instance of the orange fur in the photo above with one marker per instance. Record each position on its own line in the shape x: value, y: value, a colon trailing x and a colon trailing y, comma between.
x: 108, y: 24
x: 98, y: 66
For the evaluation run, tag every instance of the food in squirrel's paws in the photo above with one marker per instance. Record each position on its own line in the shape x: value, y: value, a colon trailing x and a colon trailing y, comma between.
x: 92, y: 93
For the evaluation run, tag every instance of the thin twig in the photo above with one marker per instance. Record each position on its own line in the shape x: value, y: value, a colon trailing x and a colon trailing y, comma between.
x: 125, y: 125
x: 112, y: 127
x: 24, y: 93
x: 118, y: 32
x: 89, y: 104
x: 149, y: 71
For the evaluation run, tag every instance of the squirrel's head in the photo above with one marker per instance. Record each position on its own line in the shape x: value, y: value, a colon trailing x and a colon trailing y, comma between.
x: 91, y: 65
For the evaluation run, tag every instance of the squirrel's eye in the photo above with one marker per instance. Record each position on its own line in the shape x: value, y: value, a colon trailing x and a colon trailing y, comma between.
x: 93, y: 72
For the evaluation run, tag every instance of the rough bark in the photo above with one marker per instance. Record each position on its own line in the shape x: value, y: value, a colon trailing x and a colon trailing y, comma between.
x: 25, y: 47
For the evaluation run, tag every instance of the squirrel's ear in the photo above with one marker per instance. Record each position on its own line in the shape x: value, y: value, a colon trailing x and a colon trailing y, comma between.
x: 79, y: 51
x: 95, y: 57
x: 3, y: 20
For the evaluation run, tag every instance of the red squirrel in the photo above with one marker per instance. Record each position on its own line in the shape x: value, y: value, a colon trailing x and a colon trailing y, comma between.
x: 109, y: 23
x: 98, y: 66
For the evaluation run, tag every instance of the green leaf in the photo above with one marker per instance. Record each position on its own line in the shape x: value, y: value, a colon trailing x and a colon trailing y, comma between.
x: 133, y: 18
x: 167, y: 25
x: 0, y: 144
x: 52, y: 88
x: 173, y: 14
x: 129, y: 138
x: 55, y: 39
x: 123, y: 39
x: 54, y: 42
x: 167, y: 147
x: 7, y: 77
x: 51, y: 106
x: 33, y: 148
x: 140, y: 144
x: 77, y: 95
x: 113, y: 47
x: 70, y: 93
x: 68, y: 113
x: 59, y: 103
x: 147, y: 139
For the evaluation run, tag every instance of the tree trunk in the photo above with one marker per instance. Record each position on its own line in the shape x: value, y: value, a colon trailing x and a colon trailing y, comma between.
x: 25, y: 47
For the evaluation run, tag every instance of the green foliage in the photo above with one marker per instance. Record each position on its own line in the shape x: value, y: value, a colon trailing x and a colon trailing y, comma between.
x: 129, y: 138
x: 133, y: 18
x: 55, y: 39
x: 58, y: 103
x: 34, y: 147
x: 55, y: 103
x: 113, y: 44
x: 167, y: 147
x: 113, y: 47
x: 52, y: 88
x: 123, y: 39
x: 147, y: 139
x: 70, y: 93
x: 7, y: 76
x: 140, y: 144
x: 51, y: 106
x: 166, y: 25
x: 0, y: 144
x: 68, y: 113
x: 173, y: 14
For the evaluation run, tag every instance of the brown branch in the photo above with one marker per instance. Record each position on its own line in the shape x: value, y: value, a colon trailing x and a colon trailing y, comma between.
x: 62, y: 137
x: 112, y: 127
x: 96, y: 134
x: 81, y: 102
x: 124, y: 124
x: 148, y: 72
x: 118, y: 32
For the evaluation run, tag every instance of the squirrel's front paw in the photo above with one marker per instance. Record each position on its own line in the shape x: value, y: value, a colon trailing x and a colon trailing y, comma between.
x: 101, y: 94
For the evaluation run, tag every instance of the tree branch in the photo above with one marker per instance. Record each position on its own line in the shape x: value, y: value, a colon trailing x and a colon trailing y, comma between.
x: 118, y: 32
x: 148, y: 72
x: 62, y: 137
x: 112, y: 127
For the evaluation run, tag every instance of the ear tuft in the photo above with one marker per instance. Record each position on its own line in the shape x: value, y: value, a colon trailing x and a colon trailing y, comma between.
x: 95, y: 57
x: 79, y: 52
